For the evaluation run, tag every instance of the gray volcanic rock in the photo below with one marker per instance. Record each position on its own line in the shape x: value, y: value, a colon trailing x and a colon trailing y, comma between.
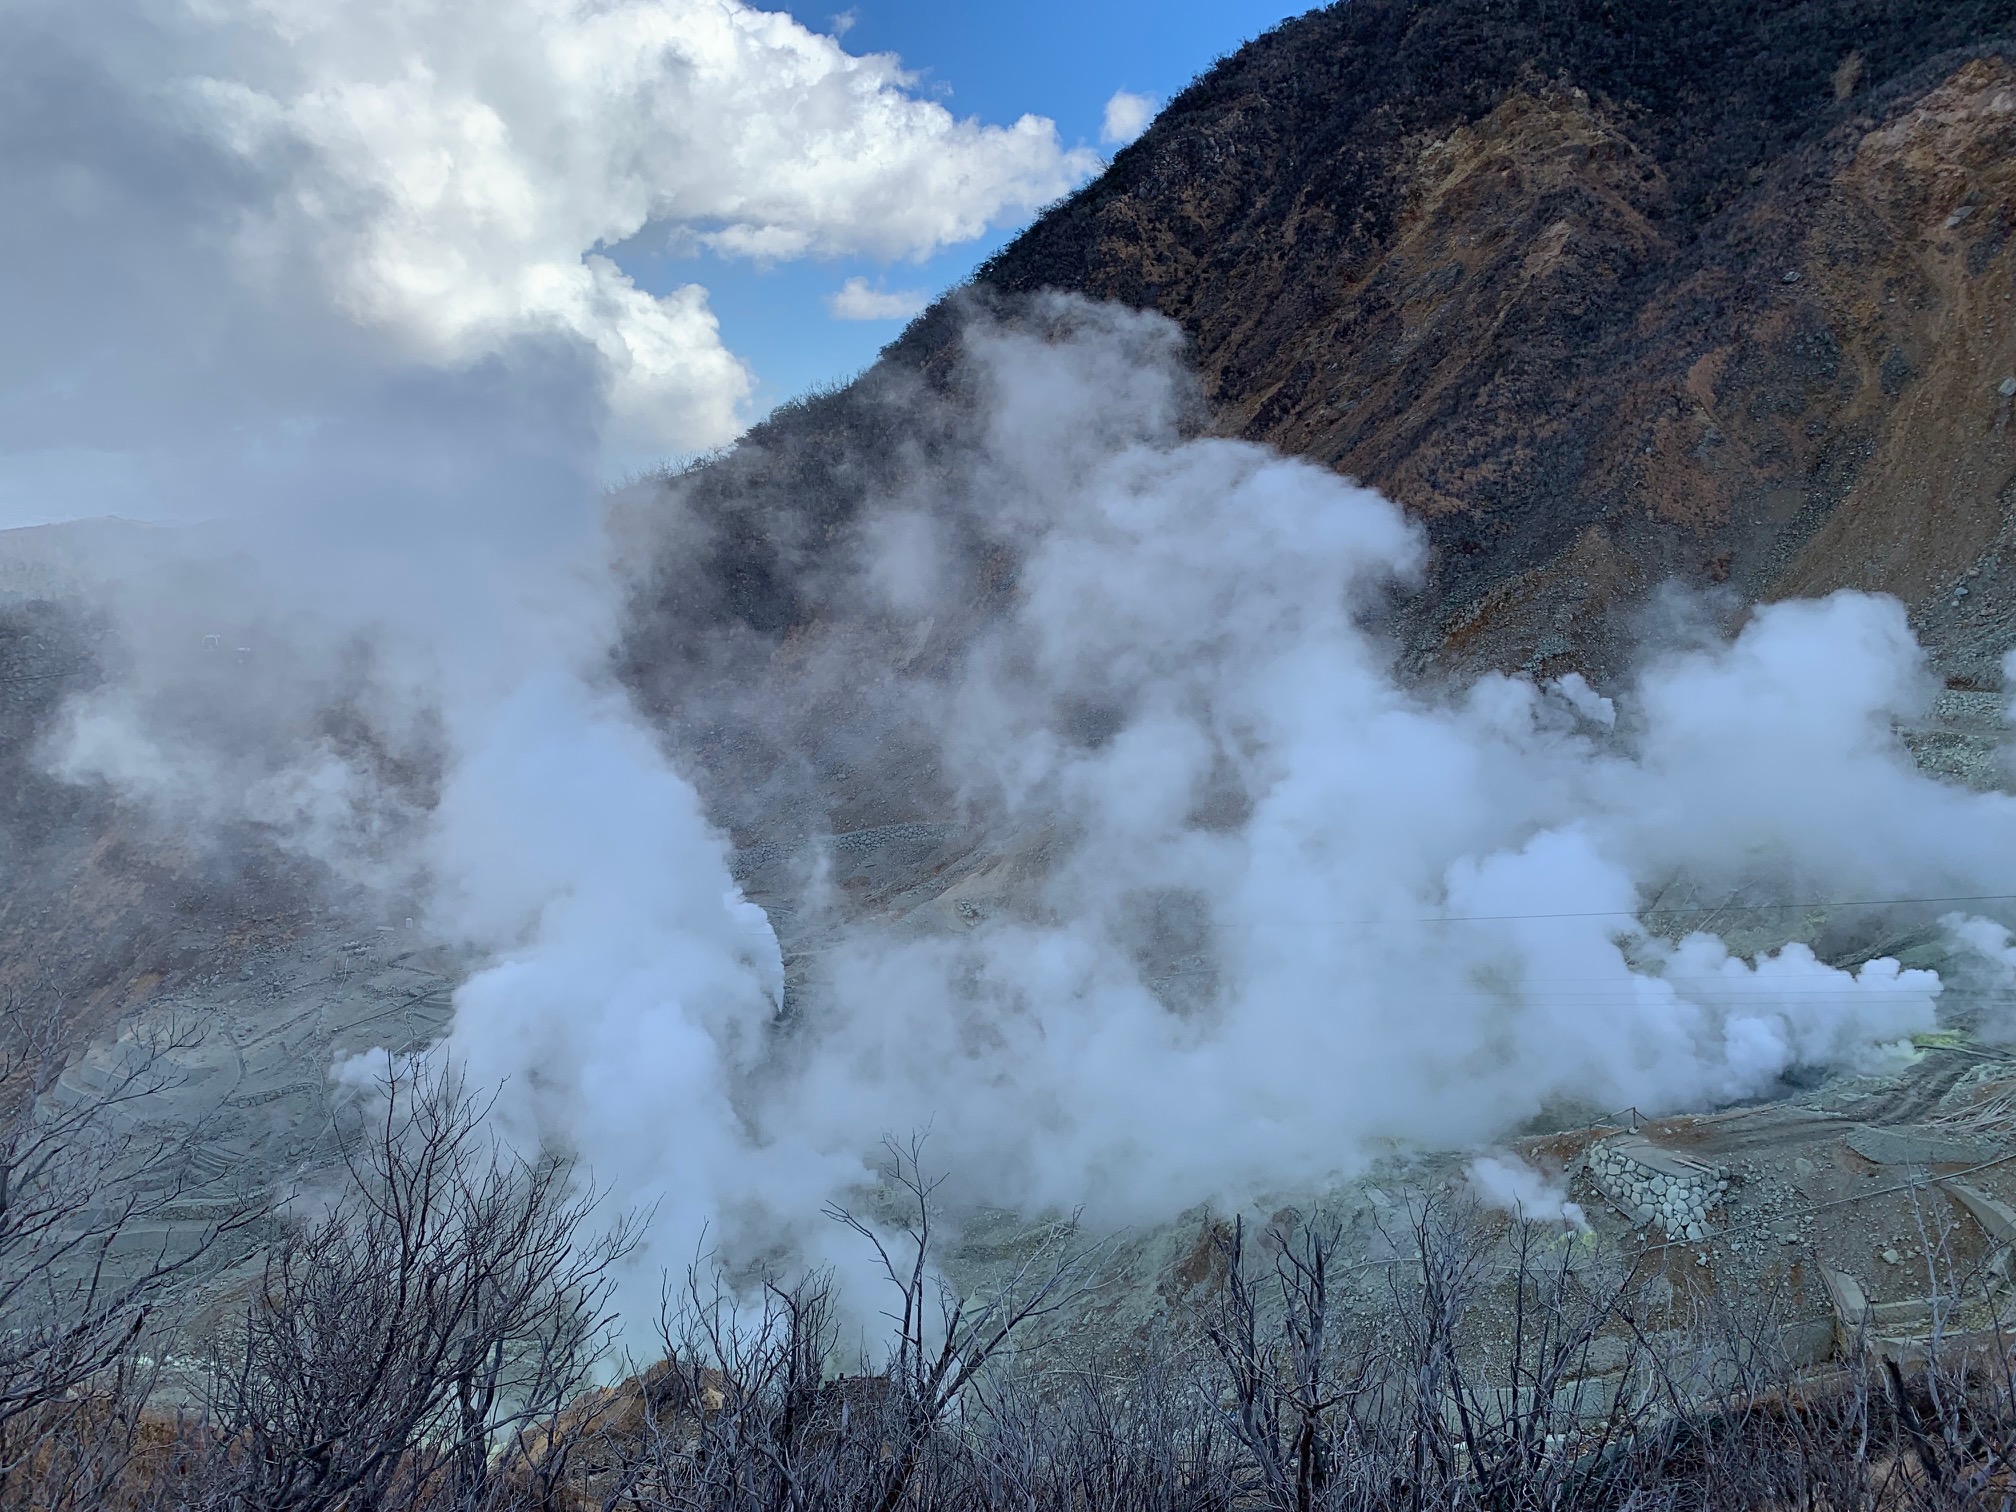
x: 1918, y: 1146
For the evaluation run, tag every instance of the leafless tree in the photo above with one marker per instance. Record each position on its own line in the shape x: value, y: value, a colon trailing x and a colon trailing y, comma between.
x: 1105, y: 1425
x: 747, y: 1410
x: 943, y: 1340
x: 1498, y: 1370
x: 1290, y: 1393
x: 1526, y: 1419
x: 85, y: 1260
x: 423, y: 1333
x: 740, y: 1412
x: 448, y: 1298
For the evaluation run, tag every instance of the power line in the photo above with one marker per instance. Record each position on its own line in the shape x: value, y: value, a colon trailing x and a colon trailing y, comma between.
x: 31, y: 677
x: 1618, y: 913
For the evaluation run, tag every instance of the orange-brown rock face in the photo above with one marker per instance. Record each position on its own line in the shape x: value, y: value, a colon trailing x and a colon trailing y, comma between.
x: 1908, y: 258
x: 1817, y: 405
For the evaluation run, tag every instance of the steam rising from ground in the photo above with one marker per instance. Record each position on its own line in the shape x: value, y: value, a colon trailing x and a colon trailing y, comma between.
x: 1284, y: 911
x: 1510, y: 1185
x: 1289, y: 909
x: 1246, y: 909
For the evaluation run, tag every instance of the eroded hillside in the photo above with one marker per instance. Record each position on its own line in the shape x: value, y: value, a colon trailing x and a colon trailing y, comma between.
x: 1606, y: 295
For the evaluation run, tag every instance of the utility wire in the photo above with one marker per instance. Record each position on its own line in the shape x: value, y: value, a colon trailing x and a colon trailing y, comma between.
x: 1622, y: 913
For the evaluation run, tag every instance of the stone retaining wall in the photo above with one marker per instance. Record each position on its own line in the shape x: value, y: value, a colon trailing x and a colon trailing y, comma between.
x: 1656, y: 1185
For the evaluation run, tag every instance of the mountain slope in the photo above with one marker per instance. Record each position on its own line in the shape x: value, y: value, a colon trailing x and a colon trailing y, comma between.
x: 1606, y: 293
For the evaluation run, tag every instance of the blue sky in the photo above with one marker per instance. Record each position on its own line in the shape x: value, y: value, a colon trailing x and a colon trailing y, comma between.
x: 1043, y: 57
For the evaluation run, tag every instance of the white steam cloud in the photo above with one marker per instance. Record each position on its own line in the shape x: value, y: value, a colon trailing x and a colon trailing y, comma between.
x: 1509, y: 1185
x: 1274, y: 911
x: 1290, y: 911
x: 1989, y: 959
x: 1258, y: 910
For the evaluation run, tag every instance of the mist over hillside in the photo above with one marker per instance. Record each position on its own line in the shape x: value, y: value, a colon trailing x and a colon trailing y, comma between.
x: 1042, y: 604
x: 1439, y: 627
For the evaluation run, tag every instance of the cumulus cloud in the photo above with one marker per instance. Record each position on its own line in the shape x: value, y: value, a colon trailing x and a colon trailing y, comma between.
x: 1127, y: 116
x: 407, y: 182
x: 452, y: 195
x: 857, y: 301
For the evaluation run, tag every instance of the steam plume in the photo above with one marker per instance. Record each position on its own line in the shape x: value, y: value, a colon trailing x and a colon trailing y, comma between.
x: 1256, y: 912
x: 1290, y: 911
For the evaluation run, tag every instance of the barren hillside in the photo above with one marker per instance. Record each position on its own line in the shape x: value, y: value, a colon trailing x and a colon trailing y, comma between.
x: 1605, y: 293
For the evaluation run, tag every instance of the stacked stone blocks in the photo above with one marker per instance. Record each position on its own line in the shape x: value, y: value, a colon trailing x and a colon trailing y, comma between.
x: 1657, y: 1185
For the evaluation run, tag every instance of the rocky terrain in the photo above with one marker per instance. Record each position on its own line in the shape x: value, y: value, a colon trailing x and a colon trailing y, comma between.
x: 1718, y: 293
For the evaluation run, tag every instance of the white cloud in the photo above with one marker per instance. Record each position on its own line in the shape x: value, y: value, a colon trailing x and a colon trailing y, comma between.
x: 450, y: 191
x: 1127, y: 116
x: 445, y: 180
x: 856, y: 301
